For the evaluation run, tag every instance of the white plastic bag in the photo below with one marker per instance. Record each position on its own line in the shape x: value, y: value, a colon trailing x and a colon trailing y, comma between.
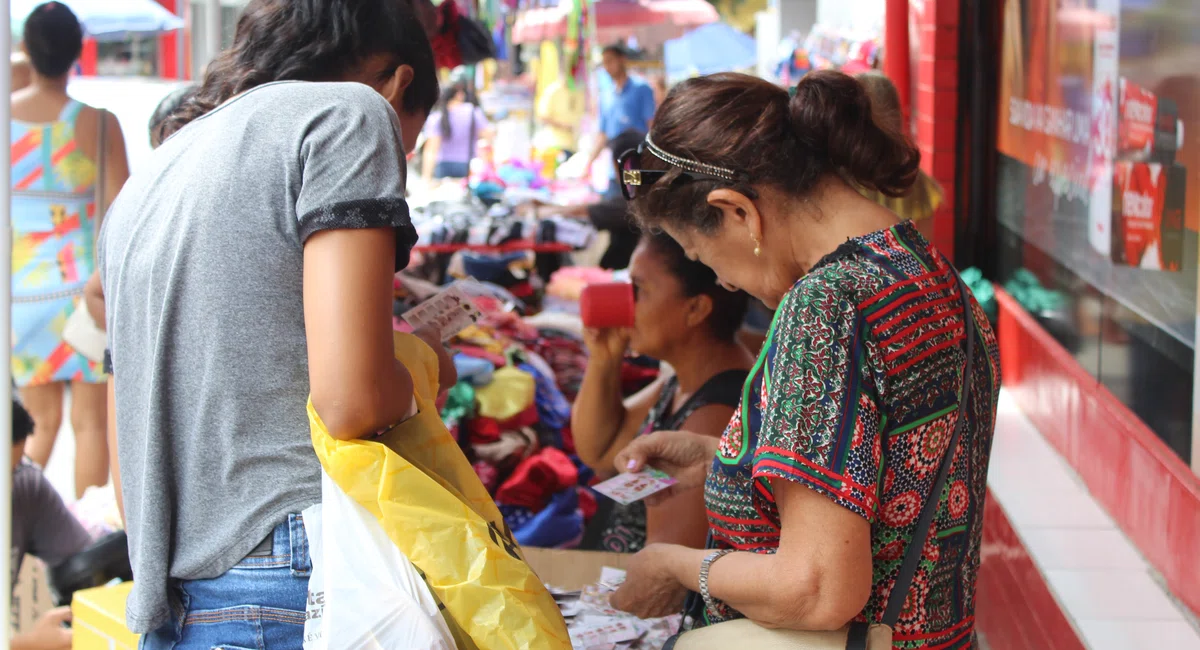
x: 364, y: 593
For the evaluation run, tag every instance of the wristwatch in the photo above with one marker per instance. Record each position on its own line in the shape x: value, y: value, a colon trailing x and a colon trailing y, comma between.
x: 704, y: 567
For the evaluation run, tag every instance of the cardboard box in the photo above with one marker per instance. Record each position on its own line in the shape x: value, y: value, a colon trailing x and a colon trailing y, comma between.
x: 98, y: 619
x: 31, y: 597
x: 572, y: 569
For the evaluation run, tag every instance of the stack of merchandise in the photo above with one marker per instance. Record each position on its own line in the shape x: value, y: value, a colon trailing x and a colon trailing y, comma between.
x: 851, y: 52
x: 595, y: 625
x: 497, y: 244
x: 472, y: 224
x: 511, y: 414
x: 566, y: 285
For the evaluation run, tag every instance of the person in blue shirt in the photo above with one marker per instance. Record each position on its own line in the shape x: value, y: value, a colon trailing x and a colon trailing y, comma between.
x: 626, y: 104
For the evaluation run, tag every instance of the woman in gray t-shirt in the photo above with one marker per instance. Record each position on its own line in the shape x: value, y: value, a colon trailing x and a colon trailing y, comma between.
x: 248, y: 264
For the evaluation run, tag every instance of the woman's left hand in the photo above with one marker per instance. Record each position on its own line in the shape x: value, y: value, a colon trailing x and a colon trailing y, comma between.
x: 447, y: 373
x: 650, y: 590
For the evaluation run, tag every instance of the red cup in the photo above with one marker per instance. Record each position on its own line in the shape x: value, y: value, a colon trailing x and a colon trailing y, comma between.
x: 609, y: 304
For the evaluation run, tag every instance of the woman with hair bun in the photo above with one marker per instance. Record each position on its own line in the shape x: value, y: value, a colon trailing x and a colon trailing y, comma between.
x: 925, y: 196
x: 814, y: 490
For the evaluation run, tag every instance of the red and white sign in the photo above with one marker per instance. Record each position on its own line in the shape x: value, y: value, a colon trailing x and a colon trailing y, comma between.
x: 1136, y: 126
x: 1142, y: 189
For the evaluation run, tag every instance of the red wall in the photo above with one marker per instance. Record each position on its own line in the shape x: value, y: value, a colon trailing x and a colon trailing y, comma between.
x: 1153, y: 496
x: 933, y: 32
x: 168, y: 45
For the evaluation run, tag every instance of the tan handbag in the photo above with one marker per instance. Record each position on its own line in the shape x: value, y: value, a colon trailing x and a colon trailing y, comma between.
x: 81, y: 331
x: 856, y: 636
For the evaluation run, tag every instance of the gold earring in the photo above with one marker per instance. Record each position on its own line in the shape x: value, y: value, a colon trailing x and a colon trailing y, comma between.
x: 757, y: 248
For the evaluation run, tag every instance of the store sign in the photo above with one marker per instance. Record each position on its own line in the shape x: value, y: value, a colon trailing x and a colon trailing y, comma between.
x: 1059, y: 92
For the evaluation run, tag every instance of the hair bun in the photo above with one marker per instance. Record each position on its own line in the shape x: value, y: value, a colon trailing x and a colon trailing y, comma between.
x: 830, y: 115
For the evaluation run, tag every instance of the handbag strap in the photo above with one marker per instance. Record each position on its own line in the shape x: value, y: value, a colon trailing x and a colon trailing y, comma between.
x: 99, y: 195
x: 912, y: 558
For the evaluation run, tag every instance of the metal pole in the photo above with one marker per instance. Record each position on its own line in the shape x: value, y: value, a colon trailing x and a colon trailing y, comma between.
x: 181, y: 10
x: 212, y: 29
x: 5, y: 316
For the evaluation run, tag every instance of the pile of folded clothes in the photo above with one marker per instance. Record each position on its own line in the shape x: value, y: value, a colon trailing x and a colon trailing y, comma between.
x: 511, y: 414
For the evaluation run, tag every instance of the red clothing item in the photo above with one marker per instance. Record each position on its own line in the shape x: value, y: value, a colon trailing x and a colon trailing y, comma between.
x: 445, y: 44
x: 482, y: 431
x: 538, y: 478
x: 526, y: 418
x: 488, y: 475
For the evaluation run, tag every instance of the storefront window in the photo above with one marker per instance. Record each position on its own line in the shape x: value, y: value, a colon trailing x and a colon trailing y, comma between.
x: 1099, y: 190
x: 132, y: 57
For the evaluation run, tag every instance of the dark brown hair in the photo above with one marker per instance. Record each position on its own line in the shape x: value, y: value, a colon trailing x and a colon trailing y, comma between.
x: 314, y: 40
x: 53, y: 38
x: 885, y: 99
x: 752, y: 127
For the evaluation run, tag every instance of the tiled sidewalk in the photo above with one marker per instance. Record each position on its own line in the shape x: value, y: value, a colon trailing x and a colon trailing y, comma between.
x: 1111, y: 596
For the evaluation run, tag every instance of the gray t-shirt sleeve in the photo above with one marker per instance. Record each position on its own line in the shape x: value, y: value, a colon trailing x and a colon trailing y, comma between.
x: 47, y: 528
x: 352, y: 170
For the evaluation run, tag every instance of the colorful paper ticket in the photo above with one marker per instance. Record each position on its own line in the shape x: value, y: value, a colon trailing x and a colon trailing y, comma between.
x: 612, y: 630
x: 630, y: 488
x: 449, y: 312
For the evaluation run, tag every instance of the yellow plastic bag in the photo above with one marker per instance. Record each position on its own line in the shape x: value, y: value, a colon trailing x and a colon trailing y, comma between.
x: 431, y: 504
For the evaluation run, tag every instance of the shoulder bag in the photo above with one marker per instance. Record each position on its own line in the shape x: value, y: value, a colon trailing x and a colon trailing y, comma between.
x: 744, y: 633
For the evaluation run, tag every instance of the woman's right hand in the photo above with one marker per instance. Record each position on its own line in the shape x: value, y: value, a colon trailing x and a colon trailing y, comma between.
x: 609, y: 343
x: 684, y: 455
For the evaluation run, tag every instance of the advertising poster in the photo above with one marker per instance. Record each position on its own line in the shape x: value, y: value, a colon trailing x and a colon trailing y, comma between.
x: 1099, y: 131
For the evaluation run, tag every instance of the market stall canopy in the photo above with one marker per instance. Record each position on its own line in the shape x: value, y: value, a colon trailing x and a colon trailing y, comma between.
x: 106, y: 20
x: 651, y: 21
x: 713, y: 48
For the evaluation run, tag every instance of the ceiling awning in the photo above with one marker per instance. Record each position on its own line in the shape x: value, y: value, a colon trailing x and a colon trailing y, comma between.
x: 619, y: 19
x: 105, y: 19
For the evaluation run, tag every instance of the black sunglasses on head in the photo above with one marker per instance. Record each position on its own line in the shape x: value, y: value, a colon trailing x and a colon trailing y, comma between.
x: 632, y: 176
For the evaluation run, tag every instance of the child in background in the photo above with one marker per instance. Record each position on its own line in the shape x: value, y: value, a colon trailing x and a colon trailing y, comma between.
x: 926, y: 196
x: 42, y: 526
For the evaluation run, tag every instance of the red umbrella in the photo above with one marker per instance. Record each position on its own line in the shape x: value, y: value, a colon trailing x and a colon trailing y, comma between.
x: 616, y: 19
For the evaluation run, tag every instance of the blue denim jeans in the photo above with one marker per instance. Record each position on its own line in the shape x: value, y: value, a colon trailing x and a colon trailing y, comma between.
x: 256, y: 605
x: 446, y: 169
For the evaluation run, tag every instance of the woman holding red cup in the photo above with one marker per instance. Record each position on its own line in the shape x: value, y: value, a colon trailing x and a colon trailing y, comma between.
x: 675, y: 311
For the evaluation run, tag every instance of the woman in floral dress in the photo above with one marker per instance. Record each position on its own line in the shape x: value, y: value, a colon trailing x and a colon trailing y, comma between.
x: 55, y: 154
x: 814, y: 490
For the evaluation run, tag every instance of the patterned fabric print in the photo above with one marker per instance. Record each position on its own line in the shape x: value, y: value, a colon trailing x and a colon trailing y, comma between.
x: 855, y: 396
x: 53, y: 223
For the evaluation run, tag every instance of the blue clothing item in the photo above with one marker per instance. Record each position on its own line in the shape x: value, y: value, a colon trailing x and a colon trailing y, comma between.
x: 556, y: 526
x: 257, y: 605
x: 476, y: 371
x: 554, y: 411
x: 625, y: 108
x: 447, y: 169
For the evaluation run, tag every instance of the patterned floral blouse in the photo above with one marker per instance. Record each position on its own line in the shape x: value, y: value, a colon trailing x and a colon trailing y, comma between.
x: 855, y: 395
